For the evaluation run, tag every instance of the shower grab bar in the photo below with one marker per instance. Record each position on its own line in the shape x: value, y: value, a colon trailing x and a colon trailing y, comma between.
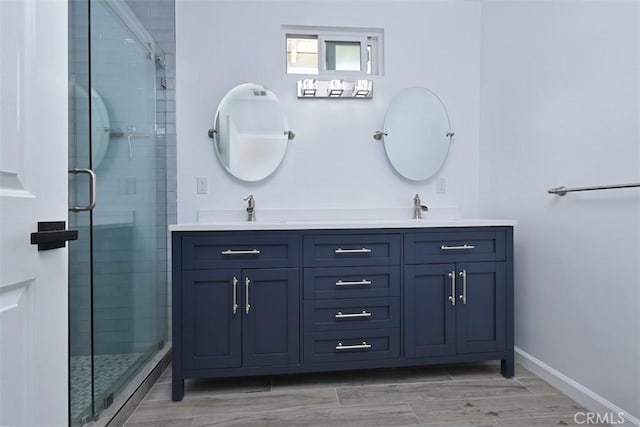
x: 562, y: 190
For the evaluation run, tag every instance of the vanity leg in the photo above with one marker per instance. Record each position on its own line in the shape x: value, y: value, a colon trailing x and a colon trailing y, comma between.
x: 507, y: 367
x: 177, y: 388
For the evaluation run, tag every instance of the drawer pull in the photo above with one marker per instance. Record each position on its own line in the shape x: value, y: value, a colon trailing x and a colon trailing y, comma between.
x: 359, y: 282
x: 362, y: 346
x: 364, y: 313
x: 235, y: 295
x: 233, y: 252
x: 463, y: 297
x: 353, y: 251
x: 452, y: 297
x: 457, y: 248
x: 247, y: 306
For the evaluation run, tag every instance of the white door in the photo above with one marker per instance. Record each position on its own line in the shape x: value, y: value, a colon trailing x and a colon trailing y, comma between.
x: 33, y: 188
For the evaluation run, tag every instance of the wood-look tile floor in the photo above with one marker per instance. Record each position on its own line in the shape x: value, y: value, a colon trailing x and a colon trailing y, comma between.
x: 457, y: 395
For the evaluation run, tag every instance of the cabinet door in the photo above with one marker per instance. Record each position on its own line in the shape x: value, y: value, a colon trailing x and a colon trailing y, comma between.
x: 271, y: 324
x: 480, y: 317
x: 211, y: 329
x: 429, y: 315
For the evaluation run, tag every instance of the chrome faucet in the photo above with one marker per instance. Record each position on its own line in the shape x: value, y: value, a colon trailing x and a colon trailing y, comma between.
x: 418, y: 207
x: 251, y: 207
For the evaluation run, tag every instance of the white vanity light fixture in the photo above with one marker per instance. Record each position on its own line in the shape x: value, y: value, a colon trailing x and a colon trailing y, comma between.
x: 335, y: 89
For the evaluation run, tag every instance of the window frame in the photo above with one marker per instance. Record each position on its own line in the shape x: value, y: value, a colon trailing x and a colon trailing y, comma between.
x: 366, y: 37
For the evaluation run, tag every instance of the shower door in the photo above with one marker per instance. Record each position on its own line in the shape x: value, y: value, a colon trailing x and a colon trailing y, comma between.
x: 118, y: 296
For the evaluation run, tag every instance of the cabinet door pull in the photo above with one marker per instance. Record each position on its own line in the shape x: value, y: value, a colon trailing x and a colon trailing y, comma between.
x: 340, y: 315
x: 247, y: 306
x: 463, y: 297
x: 362, y: 346
x: 452, y: 297
x: 359, y: 282
x: 457, y: 248
x: 353, y: 251
x: 235, y: 295
x: 242, y: 252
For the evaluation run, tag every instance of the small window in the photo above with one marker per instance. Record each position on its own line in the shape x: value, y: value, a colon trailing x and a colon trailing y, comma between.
x: 332, y: 52
x: 302, y: 54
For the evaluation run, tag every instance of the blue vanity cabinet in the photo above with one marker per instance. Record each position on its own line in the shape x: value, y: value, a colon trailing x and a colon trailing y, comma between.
x: 268, y: 302
x: 458, y: 295
x: 236, y: 304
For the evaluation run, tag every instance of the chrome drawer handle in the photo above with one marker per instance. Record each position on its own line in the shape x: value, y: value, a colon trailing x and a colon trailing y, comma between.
x: 364, y: 313
x: 353, y: 251
x: 452, y: 297
x: 247, y: 306
x: 463, y: 297
x: 456, y: 248
x: 364, y: 345
x: 233, y: 252
x: 359, y: 282
x: 234, y: 306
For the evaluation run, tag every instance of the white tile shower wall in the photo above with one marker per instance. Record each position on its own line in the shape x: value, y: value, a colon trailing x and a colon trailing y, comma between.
x: 333, y: 161
x: 158, y: 17
x: 561, y: 106
x: 127, y: 180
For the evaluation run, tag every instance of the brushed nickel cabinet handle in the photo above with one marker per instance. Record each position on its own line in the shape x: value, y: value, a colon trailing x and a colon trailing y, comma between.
x: 463, y: 297
x: 353, y: 251
x: 359, y: 282
x: 364, y: 345
x: 235, y: 295
x: 247, y: 306
x: 340, y: 315
x: 452, y: 297
x: 457, y: 248
x: 243, y: 252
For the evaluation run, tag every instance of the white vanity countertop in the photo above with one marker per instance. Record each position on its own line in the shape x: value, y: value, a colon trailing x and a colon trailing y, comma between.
x: 331, y: 219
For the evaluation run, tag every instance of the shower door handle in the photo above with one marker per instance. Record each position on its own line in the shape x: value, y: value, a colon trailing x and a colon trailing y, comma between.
x: 92, y: 190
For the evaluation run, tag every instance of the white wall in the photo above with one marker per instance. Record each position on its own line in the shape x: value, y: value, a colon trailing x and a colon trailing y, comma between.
x: 333, y: 161
x: 560, y: 105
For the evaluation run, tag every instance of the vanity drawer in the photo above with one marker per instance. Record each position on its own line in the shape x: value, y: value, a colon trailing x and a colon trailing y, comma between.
x: 344, y: 314
x: 334, y: 250
x: 462, y: 246
x: 239, y: 249
x: 351, y: 282
x: 369, y: 344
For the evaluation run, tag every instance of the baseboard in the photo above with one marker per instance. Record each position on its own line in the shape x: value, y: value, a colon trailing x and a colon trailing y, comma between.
x: 581, y: 394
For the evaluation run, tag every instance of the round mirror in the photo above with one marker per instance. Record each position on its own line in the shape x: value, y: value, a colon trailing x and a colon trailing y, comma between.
x: 250, y: 132
x: 100, y: 126
x: 417, y: 133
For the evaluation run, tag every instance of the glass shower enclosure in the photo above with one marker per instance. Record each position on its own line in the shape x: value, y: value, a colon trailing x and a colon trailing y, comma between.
x: 118, y: 312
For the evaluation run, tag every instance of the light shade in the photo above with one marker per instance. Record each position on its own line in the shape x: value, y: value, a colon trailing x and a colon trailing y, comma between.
x: 362, y: 88
x: 309, y: 87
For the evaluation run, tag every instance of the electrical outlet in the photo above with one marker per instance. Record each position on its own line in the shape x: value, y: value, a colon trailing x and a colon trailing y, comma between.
x: 202, y: 185
x: 441, y: 186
